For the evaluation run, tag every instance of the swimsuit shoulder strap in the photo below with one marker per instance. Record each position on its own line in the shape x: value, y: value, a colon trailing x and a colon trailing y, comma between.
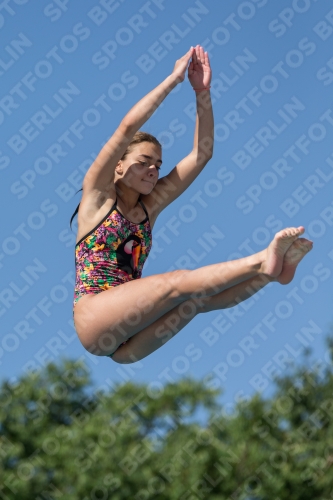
x: 144, y: 208
x: 114, y: 207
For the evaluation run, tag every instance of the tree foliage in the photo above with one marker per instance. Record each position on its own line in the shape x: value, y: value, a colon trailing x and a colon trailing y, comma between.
x: 62, y: 438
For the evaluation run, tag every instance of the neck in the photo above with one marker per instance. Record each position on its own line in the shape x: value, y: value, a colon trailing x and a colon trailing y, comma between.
x: 127, y: 198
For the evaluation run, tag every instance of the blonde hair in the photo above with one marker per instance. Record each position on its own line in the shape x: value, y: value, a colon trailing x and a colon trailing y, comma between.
x: 137, y: 139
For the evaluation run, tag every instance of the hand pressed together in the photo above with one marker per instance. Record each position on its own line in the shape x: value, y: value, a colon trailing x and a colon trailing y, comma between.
x: 199, y: 70
x: 181, y: 66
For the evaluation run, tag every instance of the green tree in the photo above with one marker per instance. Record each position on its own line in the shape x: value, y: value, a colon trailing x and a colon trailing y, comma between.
x: 62, y: 438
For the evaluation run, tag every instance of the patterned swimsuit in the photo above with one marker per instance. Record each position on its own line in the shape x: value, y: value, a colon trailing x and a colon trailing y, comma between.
x: 112, y: 253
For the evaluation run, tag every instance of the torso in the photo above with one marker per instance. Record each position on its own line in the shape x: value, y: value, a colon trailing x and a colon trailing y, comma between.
x: 113, y: 252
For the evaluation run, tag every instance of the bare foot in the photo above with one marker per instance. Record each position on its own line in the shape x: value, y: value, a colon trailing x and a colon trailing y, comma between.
x: 273, y: 263
x: 292, y: 258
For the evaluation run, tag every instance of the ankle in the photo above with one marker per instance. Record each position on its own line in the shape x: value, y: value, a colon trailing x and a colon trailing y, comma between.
x: 261, y: 265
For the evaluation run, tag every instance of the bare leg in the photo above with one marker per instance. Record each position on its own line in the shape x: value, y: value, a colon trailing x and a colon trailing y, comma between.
x: 166, y: 327
x: 103, y: 321
x: 162, y: 330
x: 236, y: 294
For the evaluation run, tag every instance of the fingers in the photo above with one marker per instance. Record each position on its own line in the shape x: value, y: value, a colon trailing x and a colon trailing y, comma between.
x: 197, y: 59
x: 199, y: 56
x: 194, y: 55
x: 189, y: 54
x: 204, y: 58
x: 207, y: 61
x: 202, y: 55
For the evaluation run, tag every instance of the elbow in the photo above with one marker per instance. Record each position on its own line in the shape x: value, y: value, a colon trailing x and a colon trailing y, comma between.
x: 208, y: 150
x: 204, y: 149
x: 209, y: 155
x: 204, y: 156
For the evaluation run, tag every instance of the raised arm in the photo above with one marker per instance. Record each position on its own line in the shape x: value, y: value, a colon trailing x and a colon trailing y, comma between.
x: 100, y: 175
x: 200, y: 75
x: 184, y: 173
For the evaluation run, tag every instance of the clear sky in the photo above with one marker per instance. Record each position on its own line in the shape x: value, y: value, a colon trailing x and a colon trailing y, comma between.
x: 69, y: 72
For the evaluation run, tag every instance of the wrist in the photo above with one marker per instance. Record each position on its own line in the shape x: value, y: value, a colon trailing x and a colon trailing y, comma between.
x: 202, y: 89
x: 172, y: 81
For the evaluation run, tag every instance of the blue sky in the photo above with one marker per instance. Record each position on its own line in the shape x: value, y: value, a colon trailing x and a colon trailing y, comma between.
x: 69, y: 74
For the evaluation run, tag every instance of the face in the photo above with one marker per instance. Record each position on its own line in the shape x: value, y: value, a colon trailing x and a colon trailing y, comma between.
x: 140, y: 168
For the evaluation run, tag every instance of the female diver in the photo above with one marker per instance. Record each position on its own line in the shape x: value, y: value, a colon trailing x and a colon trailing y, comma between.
x: 122, y: 198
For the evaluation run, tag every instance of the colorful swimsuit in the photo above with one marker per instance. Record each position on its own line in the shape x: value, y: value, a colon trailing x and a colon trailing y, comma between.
x: 112, y: 253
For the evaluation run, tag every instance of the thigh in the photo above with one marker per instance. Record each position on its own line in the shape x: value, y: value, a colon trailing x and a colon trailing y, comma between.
x: 162, y: 330
x: 104, y: 320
